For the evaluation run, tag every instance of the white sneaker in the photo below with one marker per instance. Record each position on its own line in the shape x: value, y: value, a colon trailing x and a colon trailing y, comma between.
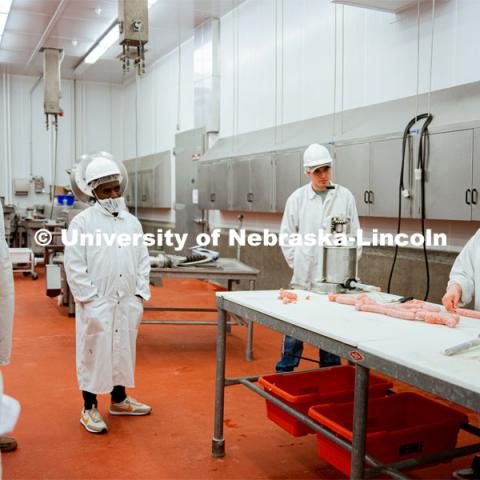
x: 93, y: 421
x: 129, y: 406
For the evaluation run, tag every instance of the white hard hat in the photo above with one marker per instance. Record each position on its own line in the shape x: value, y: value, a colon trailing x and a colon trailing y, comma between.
x: 316, y: 156
x: 100, y: 167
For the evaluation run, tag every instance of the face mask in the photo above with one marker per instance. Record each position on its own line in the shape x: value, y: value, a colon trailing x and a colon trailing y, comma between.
x: 112, y: 205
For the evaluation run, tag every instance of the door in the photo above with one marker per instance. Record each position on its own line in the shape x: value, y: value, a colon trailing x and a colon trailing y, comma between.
x: 351, y: 170
x: 241, y: 192
x: 261, y: 168
x: 476, y: 175
x: 385, y: 167
x: 220, y: 184
x: 449, y: 176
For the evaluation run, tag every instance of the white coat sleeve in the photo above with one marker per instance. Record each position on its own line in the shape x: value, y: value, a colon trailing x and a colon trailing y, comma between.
x: 289, y: 226
x: 463, y: 270
x: 76, y: 268
x: 6, y: 297
x: 143, y: 270
x: 353, y: 214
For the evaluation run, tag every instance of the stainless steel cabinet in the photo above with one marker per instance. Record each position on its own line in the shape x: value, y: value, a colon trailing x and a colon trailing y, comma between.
x: 385, y: 165
x: 220, y: 185
x: 449, y: 176
x: 288, y: 170
x: 351, y: 169
x: 261, y: 183
x: 214, y: 184
x: 241, y: 194
x: 476, y: 176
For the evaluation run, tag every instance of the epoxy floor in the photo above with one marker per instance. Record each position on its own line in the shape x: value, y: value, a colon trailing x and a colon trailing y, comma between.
x: 175, y: 374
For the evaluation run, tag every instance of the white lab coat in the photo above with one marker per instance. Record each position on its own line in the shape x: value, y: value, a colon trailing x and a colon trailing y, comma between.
x: 104, y: 281
x: 305, y: 213
x: 9, y: 407
x: 466, y: 271
x: 6, y: 296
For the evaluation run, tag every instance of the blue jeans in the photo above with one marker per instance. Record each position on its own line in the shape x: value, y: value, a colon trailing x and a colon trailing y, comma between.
x: 292, y: 350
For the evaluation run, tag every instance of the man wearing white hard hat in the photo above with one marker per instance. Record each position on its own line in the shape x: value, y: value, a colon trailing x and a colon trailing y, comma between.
x: 307, y: 211
x: 109, y: 283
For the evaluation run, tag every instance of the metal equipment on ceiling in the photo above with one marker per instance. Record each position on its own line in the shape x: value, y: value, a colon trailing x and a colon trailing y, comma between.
x: 133, y: 18
x: 52, y: 59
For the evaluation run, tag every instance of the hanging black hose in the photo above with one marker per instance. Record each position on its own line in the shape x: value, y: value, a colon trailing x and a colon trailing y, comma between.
x: 423, y: 151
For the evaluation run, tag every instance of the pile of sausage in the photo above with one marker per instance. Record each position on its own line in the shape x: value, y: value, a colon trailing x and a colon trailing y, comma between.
x: 411, y: 310
x: 289, y: 297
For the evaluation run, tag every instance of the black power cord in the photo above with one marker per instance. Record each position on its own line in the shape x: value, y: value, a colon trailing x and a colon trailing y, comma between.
x: 423, y: 153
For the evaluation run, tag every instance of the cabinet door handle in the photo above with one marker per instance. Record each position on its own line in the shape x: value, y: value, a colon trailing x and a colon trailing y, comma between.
x: 474, y: 196
x: 212, y: 197
x: 365, y: 196
x: 371, y: 197
x: 468, y: 197
x: 249, y: 197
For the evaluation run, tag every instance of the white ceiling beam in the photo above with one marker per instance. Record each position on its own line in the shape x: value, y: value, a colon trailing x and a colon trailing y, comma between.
x: 51, y: 24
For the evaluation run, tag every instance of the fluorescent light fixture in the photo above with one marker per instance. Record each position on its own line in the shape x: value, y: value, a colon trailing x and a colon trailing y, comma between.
x: 105, y: 43
x: 5, y: 6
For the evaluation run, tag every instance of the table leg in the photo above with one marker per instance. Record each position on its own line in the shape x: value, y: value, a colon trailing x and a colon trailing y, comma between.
x: 229, y: 288
x: 360, y: 412
x: 218, y: 443
x: 249, y: 351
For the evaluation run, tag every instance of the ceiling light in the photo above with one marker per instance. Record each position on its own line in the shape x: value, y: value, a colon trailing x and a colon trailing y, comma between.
x: 5, y: 6
x: 98, y: 10
x: 102, y: 45
x: 74, y: 42
x: 151, y: 3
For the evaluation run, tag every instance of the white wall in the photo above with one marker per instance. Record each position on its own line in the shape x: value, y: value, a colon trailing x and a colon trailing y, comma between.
x: 378, y: 51
x: 29, y: 147
x: 277, y: 66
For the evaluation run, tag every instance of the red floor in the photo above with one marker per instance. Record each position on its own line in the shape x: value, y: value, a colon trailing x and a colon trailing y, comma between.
x: 175, y: 374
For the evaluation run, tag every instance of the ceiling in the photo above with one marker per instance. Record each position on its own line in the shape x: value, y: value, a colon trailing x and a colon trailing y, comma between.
x: 74, y: 25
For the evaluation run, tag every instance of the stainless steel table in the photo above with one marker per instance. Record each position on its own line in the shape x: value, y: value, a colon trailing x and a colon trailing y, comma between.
x: 227, y: 269
x: 369, y: 341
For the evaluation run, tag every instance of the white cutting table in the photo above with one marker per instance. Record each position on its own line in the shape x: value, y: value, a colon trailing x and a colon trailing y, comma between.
x: 410, y: 351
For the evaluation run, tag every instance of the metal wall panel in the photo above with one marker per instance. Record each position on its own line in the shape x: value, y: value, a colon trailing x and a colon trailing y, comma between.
x: 203, y: 183
x: 351, y: 169
x: 189, y: 147
x: 288, y: 176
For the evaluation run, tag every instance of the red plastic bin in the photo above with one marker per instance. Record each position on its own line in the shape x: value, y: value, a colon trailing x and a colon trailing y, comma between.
x: 399, y: 426
x: 305, y: 389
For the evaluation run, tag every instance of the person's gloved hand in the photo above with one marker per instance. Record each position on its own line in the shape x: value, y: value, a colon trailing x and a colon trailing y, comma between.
x: 452, y: 297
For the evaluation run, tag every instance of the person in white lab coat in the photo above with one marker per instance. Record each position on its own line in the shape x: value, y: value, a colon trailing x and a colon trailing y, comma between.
x: 307, y: 211
x: 463, y: 287
x: 109, y: 284
x: 9, y: 408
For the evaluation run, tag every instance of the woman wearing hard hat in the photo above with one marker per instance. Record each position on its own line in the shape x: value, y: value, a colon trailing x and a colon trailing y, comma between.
x: 109, y: 284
